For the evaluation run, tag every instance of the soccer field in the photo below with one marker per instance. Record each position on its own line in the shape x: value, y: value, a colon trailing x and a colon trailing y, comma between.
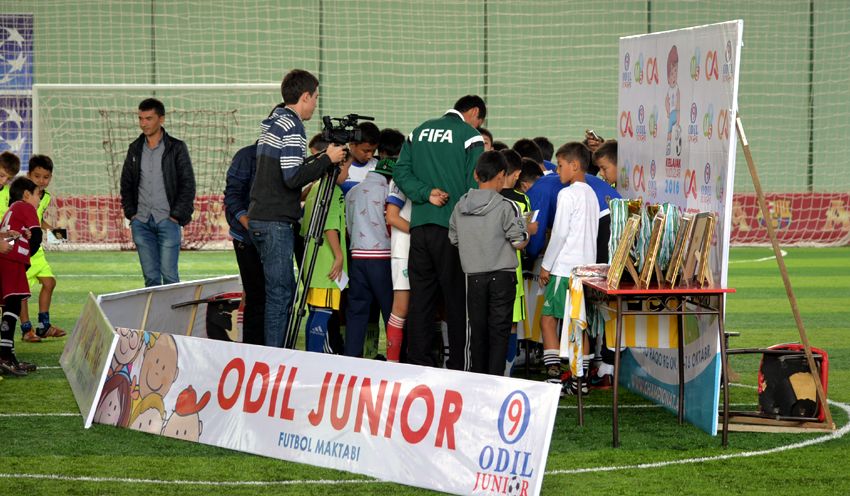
x: 47, y: 451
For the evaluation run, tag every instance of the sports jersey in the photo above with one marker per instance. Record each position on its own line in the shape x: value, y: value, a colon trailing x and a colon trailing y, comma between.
x: 20, y: 217
x: 367, y: 226
x: 4, y: 199
x: 335, y: 222
x: 399, y: 240
x: 573, y: 240
x: 440, y: 153
x: 357, y: 173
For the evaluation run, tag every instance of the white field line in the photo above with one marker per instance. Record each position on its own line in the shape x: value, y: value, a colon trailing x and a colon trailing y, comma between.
x: 641, y: 466
x: 765, y: 259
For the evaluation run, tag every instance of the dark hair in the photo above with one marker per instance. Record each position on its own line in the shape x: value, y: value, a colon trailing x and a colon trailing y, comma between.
x: 546, y: 146
x: 152, y: 104
x: 486, y: 132
x: 575, y: 151
x: 10, y: 163
x: 369, y: 133
x: 296, y: 83
x: 514, y: 161
x: 607, y: 150
x: 18, y: 186
x: 471, y: 101
x: 489, y: 165
x: 499, y: 146
x: 530, y: 171
x: 527, y: 148
x: 390, y: 142
x: 318, y: 142
x: 42, y: 161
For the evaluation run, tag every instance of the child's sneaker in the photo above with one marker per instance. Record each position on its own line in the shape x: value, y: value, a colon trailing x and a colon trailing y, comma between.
x: 603, y: 382
x: 553, y: 374
x: 54, y: 332
x: 31, y: 337
x: 570, y: 387
x: 11, y: 367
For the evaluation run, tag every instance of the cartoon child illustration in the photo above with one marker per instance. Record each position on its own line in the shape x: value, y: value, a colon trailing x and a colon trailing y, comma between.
x: 185, y: 423
x: 159, y: 366
x: 671, y: 102
x: 114, y: 405
x: 129, y: 345
x: 149, y: 415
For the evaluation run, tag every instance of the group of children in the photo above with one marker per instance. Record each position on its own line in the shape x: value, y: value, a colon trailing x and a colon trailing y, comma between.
x: 490, y: 226
x: 23, y: 201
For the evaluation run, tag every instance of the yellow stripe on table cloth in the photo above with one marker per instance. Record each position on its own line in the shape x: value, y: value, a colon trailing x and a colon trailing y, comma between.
x: 574, y: 324
x: 643, y: 331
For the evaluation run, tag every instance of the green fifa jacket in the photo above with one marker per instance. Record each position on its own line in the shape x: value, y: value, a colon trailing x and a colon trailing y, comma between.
x: 440, y: 153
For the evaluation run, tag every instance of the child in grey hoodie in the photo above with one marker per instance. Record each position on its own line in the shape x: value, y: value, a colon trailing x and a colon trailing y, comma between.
x: 488, y: 228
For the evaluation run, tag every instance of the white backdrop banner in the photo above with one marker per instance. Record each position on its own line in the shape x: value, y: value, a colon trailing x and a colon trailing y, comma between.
x: 450, y: 431
x: 678, y: 99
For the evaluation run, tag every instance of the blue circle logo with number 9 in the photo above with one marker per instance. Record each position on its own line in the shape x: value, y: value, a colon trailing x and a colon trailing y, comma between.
x: 513, y: 417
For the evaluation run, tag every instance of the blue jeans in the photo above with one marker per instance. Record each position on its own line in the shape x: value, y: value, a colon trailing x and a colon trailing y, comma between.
x: 274, y: 243
x: 158, y: 245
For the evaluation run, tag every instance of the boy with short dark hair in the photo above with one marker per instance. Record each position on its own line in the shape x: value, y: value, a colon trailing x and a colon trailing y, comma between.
x: 572, y: 243
x: 40, y: 272
x: 488, y: 228
x: 363, y: 155
x: 606, y: 159
x: 22, y: 218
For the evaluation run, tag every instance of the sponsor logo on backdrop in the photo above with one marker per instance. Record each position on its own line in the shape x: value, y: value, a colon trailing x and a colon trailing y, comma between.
x: 627, y: 73
x: 689, y: 184
x: 16, y: 126
x: 695, y: 62
x: 728, y: 68
x: 708, y: 122
x: 640, y: 130
x: 719, y: 187
x: 626, y: 124
x: 673, y: 168
x: 624, y: 175
x: 651, y: 70
x: 711, y: 65
x: 693, y: 127
x: 651, y: 186
x: 638, y: 69
x: 637, y: 178
x: 16, y: 61
x: 705, y: 190
x: 653, y: 122
x: 723, y: 124
x: 504, y: 470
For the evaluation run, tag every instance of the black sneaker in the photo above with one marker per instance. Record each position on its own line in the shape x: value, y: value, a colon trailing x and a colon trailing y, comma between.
x: 11, y: 367
x: 570, y: 387
x: 553, y: 374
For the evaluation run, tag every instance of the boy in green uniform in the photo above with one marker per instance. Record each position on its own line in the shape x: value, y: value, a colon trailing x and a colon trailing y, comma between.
x: 324, y: 292
x: 40, y: 172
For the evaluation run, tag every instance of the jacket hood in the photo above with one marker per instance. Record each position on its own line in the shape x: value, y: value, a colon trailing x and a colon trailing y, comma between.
x: 479, y: 201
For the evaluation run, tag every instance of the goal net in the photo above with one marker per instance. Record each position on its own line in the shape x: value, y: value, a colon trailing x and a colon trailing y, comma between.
x: 544, y: 67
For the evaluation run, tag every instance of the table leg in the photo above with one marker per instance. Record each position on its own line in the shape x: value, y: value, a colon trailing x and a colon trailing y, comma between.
x: 617, y: 342
x: 724, y: 370
x: 681, y: 332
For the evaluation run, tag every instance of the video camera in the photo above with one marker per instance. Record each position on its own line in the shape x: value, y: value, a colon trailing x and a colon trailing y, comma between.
x: 345, y: 131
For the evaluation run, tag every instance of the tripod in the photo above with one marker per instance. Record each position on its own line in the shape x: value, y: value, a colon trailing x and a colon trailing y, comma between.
x: 312, y: 242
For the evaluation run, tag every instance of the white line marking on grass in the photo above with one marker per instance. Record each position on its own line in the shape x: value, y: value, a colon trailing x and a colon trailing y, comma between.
x: 747, y: 454
x: 124, y: 276
x: 765, y: 259
x: 58, y: 414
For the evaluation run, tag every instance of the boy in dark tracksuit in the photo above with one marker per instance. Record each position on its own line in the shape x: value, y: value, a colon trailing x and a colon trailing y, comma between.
x: 488, y: 228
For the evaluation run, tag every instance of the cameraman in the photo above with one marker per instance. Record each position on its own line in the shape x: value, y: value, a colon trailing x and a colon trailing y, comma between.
x: 282, y: 171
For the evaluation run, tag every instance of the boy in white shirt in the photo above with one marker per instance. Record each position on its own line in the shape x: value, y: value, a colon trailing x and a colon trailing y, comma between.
x: 572, y: 243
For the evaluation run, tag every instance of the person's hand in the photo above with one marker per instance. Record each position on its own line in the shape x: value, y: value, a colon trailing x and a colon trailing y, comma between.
x: 336, y: 153
x: 5, y: 246
x: 438, y: 197
x: 26, y: 234
x: 593, y: 143
x: 336, y: 270
x: 244, y: 221
x: 543, y: 278
x: 531, y: 228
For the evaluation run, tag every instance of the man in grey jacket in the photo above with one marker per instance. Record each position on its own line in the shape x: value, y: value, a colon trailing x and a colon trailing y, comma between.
x: 488, y: 229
